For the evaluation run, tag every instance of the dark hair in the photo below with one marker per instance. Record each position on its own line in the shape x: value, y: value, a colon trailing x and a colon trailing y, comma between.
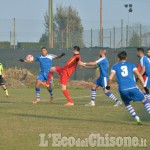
x: 43, y: 48
x: 140, y: 49
x: 148, y: 49
x: 122, y: 55
x: 76, y: 48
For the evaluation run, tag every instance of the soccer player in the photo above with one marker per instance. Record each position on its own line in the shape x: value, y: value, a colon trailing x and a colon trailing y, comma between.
x: 127, y: 86
x: 145, y: 68
x: 45, y: 61
x: 103, y: 65
x: 2, y: 76
x: 66, y: 72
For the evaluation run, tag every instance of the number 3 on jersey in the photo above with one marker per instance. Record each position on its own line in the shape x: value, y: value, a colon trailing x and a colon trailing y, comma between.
x: 124, y: 72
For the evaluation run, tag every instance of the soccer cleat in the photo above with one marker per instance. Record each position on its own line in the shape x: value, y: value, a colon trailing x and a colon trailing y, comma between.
x: 69, y: 104
x: 52, y: 100
x: 90, y: 104
x: 7, y: 95
x: 47, y: 85
x: 36, y: 102
x: 138, y: 120
x: 118, y: 103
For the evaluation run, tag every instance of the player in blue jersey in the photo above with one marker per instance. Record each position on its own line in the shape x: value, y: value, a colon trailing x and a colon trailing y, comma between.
x: 103, y: 65
x: 45, y: 61
x: 145, y: 69
x: 127, y: 86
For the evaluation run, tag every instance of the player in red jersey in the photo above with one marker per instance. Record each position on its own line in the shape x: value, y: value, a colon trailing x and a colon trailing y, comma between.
x: 66, y: 72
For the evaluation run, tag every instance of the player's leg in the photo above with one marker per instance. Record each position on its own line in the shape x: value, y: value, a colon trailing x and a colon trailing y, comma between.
x: 39, y: 82
x: 126, y: 97
x: 109, y: 94
x: 50, y: 90
x: 93, y: 95
x: 64, y: 79
x: 67, y: 95
x: 37, y: 91
x: 50, y: 74
x: 5, y: 89
x: 147, y: 84
x: 138, y: 96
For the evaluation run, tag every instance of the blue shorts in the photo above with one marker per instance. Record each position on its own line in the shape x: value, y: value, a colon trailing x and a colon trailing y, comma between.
x: 131, y: 94
x: 43, y: 76
x: 147, y: 82
x: 102, y: 82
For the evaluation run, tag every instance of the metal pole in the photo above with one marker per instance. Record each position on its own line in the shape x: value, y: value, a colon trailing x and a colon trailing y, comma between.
x: 51, y: 37
x: 127, y: 36
x: 62, y: 37
x: 102, y: 36
x: 101, y: 23
x: 91, y: 37
x: 114, y: 37
x: 110, y: 39
x: 122, y: 33
x: 14, y: 33
x: 67, y: 35
x: 10, y: 39
x: 140, y: 35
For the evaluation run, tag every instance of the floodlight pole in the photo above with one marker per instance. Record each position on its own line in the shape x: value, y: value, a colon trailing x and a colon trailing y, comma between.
x: 101, y: 24
x: 14, y: 33
x: 51, y: 33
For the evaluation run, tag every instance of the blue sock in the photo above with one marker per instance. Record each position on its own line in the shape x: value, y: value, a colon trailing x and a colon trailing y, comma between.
x: 37, y: 90
x: 112, y: 96
x: 93, y: 95
x: 51, y: 92
x: 131, y: 110
x: 147, y: 106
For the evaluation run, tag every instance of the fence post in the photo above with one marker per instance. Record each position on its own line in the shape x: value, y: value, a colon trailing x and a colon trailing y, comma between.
x: 91, y: 37
x: 114, y: 37
x: 14, y: 33
x: 110, y: 39
x: 140, y: 35
x: 121, y: 33
x: 127, y: 36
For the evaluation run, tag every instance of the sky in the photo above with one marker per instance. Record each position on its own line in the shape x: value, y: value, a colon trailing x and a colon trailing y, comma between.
x: 29, y: 15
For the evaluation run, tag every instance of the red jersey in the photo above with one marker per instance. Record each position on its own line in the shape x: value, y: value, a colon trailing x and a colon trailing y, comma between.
x: 71, y: 64
x: 139, y: 69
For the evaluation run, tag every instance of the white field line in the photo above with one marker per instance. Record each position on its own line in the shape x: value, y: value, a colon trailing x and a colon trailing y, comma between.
x: 13, y: 102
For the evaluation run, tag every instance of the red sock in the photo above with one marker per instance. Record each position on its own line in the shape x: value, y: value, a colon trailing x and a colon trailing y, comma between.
x: 50, y: 75
x: 67, y: 95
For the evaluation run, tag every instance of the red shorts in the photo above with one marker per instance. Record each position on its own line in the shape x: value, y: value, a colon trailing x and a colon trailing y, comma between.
x: 63, y: 75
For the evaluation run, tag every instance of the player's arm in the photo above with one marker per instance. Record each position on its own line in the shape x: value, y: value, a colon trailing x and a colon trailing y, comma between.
x: 25, y: 61
x: 3, y: 73
x: 139, y: 76
x: 91, y: 67
x: 142, y: 80
x: 91, y: 63
x: 112, y: 74
x: 143, y: 68
x: 59, y: 56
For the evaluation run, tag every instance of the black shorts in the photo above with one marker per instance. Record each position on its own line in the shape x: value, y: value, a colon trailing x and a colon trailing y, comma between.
x: 2, y: 82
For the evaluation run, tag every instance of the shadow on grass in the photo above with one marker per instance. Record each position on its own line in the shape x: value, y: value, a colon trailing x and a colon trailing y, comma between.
x: 74, y: 119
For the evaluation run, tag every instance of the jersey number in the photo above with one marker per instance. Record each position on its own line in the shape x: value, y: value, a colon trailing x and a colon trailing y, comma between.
x: 124, y: 72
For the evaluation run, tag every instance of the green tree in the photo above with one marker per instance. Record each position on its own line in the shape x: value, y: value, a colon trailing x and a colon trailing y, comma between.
x: 134, y: 40
x: 68, y: 29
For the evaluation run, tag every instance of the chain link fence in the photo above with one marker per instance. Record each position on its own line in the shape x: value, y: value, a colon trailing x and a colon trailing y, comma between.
x: 24, y: 33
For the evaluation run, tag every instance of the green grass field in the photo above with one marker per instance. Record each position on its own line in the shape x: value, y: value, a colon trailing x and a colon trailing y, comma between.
x: 21, y: 122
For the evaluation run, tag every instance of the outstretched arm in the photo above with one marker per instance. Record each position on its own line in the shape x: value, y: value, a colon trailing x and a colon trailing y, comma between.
x: 24, y: 60
x: 91, y: 63
x: 59, y: 56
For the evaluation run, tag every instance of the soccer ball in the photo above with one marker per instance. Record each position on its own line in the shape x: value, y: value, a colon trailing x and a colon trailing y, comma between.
x: 29, y: 58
